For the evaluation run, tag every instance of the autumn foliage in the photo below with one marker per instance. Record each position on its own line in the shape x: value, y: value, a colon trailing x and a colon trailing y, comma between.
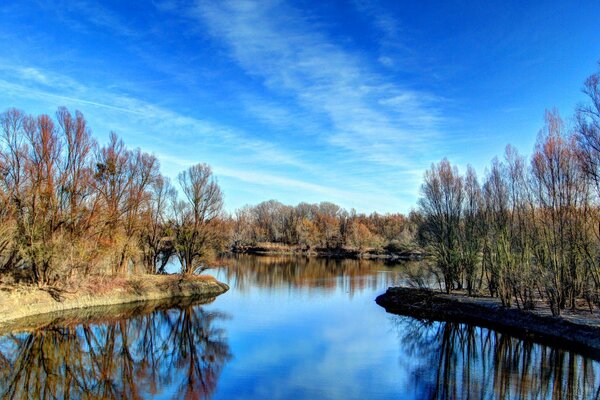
x: 70, y: 208
x: 323, y: 226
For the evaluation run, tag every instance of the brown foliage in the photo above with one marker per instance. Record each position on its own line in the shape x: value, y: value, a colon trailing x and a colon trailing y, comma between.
x: 324, y: 225
x: 70, y: 208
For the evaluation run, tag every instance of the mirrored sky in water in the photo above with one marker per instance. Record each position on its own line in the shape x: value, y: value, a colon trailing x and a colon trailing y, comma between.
x: 289, y: 328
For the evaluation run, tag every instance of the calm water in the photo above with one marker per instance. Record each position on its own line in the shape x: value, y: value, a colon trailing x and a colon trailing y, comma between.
x: 288, y: 328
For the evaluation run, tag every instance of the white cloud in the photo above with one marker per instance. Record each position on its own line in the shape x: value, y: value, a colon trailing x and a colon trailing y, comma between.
x: 334, y: 125
x: 273, y: 41
x: 62, y: 90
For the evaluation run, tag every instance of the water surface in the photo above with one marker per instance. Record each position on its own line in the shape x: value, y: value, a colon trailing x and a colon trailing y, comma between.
x: 288, y: 328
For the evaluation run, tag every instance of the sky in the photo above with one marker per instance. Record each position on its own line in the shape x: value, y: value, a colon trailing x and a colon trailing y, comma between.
x: 341, y: 101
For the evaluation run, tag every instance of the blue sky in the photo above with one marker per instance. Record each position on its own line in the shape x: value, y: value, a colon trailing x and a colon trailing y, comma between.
x: 344, y: 101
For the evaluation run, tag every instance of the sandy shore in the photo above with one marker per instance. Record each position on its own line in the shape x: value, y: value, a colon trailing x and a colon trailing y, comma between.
x: 579, y: 331
x: 21, y: 302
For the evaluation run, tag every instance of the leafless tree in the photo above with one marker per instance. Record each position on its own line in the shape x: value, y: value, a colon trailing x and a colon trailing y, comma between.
x: 441, y: 205
x: 195, y: 228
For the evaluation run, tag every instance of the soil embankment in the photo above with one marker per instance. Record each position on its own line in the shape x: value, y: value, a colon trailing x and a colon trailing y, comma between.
x: 26, y: 301
x: 579, y: 331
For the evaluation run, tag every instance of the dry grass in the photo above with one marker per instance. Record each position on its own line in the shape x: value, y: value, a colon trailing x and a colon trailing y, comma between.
x: 17, y: 301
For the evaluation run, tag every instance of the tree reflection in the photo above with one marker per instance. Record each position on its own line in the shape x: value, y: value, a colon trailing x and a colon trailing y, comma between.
x: 459, y: 361
x: 177, y: 353
x: 350, y: 275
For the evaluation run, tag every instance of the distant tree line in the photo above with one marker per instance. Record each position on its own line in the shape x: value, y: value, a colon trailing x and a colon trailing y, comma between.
x: 324, y: 225
x: 70, y: 207
x: 531, y: 228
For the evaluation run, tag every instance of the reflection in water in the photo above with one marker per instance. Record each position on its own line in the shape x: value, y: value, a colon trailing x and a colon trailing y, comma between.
x: 180, y: 349
x: 458, y: 361
x: 246, y: 271
x: 301, y: 328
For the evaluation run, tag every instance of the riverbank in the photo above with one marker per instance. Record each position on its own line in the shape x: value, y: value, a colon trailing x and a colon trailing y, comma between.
x: 25, y: 301
x: 576, y: 330
x: 100, y: 314
x: 338, y: 252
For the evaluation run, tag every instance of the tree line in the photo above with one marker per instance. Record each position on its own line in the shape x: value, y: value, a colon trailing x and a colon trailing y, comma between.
x: 324, y: 225
x: 531, y: 228
x: 70, y: 207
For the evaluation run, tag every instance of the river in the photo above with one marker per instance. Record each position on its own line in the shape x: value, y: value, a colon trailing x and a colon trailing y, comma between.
x: 289, y: 328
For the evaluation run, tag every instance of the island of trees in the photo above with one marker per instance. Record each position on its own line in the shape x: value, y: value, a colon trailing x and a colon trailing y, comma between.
x: 71, y: 208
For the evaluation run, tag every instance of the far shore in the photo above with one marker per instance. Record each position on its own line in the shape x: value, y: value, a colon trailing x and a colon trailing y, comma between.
x: 575, y: 330
x: 339, y: 252
x: 21, y: 302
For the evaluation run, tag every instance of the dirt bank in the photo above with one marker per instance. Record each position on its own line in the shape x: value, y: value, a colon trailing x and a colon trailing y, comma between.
x: 579, y: 331
x: 99, y: 314
x: 25, y: 301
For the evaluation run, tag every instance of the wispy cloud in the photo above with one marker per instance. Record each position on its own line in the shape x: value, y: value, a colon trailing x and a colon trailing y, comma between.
x: 165, y: 124
x: 162, y: 129
x: 374, y: 119
x: 94, y: 13
x: 298, y: 115
x: 267, y: 181
x: 357, y: 97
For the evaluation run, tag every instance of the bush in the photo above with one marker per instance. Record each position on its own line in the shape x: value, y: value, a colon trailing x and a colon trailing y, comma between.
x: 395, y: 246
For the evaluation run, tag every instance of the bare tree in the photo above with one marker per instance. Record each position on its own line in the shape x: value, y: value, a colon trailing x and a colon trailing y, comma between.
x: 13, y: 154
x: 122, y: 181
x: 471, y: 233
x: 69, y: 208
x: 195, y: 218
x: 441, y: 206
x: 559, y: 195
x: 157, y: 247
x: 507, y: 246
x: 588, y: 130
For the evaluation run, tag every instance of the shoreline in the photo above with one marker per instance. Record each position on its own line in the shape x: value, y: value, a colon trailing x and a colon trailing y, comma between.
x: 99, y: 314
x: 269, y: 249
x: 20, y: 303
x: 573, y: 332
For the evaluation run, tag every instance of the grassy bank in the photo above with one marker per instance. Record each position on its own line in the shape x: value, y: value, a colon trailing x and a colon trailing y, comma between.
x: 577, y: 330
x: 17, y: 302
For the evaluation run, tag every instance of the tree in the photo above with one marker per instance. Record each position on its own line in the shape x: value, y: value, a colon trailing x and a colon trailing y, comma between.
x: 471, y: 228
x: 441, y: 207
x: 588, y: 150
x: 560, y: 195
x: 40, y: 219
x: 588, y: 130
x: 359, y: 236
x: 12, y: 191
x: 157, y: 249
x: 508, y: 251
x: 196, y: 228
x: 122, y: 181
